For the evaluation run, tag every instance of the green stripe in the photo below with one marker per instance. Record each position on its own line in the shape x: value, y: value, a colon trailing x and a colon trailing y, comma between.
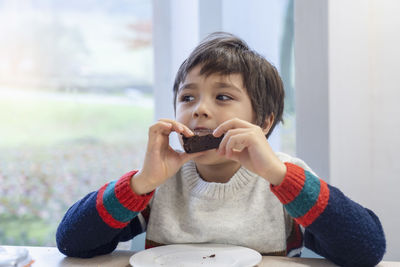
x: 114, y: 207
x: 307, y: 197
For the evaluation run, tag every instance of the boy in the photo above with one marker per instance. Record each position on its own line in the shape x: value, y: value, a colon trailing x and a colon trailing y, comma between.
x: 241, y: 193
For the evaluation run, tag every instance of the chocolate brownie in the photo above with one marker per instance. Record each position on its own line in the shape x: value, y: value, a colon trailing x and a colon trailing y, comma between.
x: 197, y: 143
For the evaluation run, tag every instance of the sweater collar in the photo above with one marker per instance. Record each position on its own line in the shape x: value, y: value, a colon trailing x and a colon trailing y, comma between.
x: 198, y: 187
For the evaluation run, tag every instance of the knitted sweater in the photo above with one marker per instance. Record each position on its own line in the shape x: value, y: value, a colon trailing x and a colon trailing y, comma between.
x: 246, y: 211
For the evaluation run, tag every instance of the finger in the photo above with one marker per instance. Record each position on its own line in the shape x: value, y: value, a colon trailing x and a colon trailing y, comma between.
x: 158, y: 135
x: 176, y: 127
x: 179, y: 127
x: 227, y: 136
x: 236, y: 144
x: 231, y: 124
x: 160, y: 127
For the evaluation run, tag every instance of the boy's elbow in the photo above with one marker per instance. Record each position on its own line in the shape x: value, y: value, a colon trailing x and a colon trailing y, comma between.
x: 366, y: 254
x: 375, y: 252
x: 371, y: 256
x: 64, y: 245
x: 371, y: 250
x: 67, y: 244
x: 372, y: 246
x: 377, y: 242
x: 73, y: 245
x: 364, y: 247
x: 70, y: 250
x: 65, y: 250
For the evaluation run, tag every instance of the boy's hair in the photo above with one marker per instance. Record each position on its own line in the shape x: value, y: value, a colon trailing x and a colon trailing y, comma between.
x: 223, y: 53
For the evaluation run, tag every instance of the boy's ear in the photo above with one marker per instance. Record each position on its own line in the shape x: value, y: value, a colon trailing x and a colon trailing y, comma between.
x: 269, y: 121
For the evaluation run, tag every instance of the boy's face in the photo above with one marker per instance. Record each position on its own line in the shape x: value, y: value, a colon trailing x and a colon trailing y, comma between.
x: 205, y: 102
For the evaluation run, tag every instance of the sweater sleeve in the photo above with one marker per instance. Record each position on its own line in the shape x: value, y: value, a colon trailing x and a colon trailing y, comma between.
x: 336, y: 227
x: 98, y: 222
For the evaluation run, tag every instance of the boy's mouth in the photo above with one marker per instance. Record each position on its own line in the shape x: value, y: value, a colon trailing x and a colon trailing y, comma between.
x: 202, y: 131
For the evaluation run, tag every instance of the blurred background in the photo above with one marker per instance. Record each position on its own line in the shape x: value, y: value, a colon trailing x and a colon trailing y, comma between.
x: 77, y: 97
x: 81, y: 82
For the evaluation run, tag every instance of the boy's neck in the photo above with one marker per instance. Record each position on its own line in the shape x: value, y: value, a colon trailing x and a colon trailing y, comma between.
x: 219, y: 173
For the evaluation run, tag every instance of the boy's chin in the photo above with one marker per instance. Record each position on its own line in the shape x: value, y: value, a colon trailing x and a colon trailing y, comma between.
x: 211, y: 157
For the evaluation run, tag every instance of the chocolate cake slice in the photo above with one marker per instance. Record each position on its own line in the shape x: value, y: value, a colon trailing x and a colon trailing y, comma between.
x: 197, y: 143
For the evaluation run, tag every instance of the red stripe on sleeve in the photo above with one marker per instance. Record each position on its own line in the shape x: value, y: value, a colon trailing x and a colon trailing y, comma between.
x: 291, y: 185
x: 107, y: 218
x: 318, y: 208
x: 127, y: 197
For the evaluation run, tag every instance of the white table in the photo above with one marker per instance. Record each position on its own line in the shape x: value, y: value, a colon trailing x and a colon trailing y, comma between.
x: 51, y: 257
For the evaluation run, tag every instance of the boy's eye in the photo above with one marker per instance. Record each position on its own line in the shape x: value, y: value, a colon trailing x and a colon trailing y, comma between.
x: 186, y: 98
x: 224, y: 97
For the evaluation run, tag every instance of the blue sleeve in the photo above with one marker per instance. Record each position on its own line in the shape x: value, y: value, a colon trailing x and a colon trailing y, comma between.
x: 83, y: 233
x: 346, y: 233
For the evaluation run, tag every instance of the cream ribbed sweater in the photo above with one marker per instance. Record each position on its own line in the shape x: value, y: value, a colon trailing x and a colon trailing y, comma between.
x: 243, y: 211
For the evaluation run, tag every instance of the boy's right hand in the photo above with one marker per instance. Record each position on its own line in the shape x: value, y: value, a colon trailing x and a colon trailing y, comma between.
x: 161, y: 160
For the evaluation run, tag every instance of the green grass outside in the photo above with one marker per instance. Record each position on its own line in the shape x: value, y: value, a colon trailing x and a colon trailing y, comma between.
x: 47, y: 122
x: 27, y: 230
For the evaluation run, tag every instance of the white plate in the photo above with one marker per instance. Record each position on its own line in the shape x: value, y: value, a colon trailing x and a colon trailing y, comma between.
x: 192, y: 255
x: 10, y: 256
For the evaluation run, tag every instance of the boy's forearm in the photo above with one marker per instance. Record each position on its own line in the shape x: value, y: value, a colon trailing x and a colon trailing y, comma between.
x: 111, y: 211
x: 276, y: 174
x: 303, y: 195
x: 141, y: 184
x: 336, y: 227
x: 78, y: 237
x: 353, y: 232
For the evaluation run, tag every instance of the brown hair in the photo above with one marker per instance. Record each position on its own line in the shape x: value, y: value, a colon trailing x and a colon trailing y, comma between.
x: 225, y: 54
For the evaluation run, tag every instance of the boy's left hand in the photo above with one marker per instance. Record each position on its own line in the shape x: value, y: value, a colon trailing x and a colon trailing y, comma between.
x: 246, y: 143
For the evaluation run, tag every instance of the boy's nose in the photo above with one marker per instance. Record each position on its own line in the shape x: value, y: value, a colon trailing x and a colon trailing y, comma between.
x: 201, y: 110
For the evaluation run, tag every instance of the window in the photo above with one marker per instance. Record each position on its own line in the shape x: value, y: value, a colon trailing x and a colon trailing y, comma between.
x: 76, y: 81
x: 267, y: 26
